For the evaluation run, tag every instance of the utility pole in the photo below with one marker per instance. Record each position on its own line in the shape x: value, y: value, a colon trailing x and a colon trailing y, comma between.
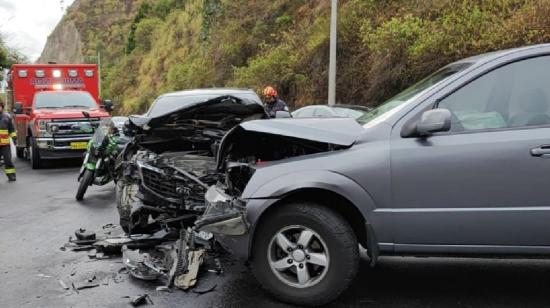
x: 332, y: 63
x: 99, y: 72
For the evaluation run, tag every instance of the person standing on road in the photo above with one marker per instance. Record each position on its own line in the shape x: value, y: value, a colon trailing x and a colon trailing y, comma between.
x: 6, y: 132
x: 272, y: 102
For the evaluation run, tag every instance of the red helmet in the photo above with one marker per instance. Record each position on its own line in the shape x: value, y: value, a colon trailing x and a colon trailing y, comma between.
x: 270, y: 92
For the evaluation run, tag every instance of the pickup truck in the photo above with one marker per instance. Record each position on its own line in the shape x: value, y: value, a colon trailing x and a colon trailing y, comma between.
x: 49, y: 100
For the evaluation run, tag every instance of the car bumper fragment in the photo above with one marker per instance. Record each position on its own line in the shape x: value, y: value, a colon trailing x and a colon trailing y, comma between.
x: 223, y: 214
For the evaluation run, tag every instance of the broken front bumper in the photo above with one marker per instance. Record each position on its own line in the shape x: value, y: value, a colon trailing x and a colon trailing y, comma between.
x: 224, y: 214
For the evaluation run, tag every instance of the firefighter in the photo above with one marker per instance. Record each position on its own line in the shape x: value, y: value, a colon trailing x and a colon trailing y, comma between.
x: 6, y: 132
x: 272, y: 102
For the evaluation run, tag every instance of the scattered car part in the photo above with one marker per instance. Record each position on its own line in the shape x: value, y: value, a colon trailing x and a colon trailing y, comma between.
x: 84, y: 235
x: 140, y: 265
x: 141, y: 300
x: 189, y: 278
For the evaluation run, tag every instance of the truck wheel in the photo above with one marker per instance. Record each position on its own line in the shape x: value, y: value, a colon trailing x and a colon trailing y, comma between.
x: 85, y: 181
x: 305, y: 254
x: 34, y: 155
x: 20, y: 152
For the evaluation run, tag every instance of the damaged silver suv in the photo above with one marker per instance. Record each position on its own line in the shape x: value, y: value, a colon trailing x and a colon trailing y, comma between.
x: 457, y: 164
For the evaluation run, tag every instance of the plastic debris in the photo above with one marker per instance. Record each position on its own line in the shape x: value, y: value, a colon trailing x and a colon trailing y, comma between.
x: 141, y: 300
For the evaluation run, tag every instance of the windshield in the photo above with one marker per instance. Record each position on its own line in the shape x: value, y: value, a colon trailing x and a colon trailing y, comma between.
x: 348, y: 112
x: 400, y: 99
x: 167, y: 104
x: 105, y: 126
x: 64, y: 100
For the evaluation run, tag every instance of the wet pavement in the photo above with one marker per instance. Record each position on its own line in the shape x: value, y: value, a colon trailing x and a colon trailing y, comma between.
x: 39, y: 213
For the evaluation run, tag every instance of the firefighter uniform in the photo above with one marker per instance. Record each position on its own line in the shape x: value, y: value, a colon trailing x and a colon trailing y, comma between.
x: 7, y: 132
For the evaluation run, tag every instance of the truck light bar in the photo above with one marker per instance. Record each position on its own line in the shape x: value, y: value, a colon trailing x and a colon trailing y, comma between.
x: 57, y: 86
x: 56, y: 73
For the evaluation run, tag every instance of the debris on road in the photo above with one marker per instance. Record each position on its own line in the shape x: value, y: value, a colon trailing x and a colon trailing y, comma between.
x: 87, y: 284
x: 44, y: 276
x: 141, y: 300
x: 207, y: 290
x: 173, y: 256
x: 84, y: 235
x: 140, y: 265
x: 63, y: 285
x: 189, y: 279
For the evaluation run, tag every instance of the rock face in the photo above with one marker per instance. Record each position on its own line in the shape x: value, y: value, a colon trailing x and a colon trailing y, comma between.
x: 64, y: 45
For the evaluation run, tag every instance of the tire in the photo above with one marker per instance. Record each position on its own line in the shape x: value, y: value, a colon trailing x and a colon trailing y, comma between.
x: 85, y: 181
x: 329, y: 230
x: 20, y: 152
x: 34, y: 155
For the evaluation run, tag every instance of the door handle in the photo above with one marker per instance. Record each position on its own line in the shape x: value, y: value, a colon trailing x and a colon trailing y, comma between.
x: 543, y: 150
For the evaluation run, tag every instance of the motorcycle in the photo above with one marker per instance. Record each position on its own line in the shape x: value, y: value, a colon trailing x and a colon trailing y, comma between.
x: 98, y: 167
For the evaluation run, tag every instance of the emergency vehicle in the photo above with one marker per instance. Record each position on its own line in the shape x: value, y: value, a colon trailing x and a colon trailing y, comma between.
x: 56, y: 108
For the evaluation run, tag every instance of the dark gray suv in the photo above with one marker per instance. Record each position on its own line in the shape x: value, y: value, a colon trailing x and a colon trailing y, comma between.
x: 456, y: 164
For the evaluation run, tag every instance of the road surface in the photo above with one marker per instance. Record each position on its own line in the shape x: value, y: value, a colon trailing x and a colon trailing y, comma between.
x: 38, y: 213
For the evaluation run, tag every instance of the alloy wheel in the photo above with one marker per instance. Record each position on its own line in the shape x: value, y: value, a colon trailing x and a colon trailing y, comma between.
x: 298, y: 256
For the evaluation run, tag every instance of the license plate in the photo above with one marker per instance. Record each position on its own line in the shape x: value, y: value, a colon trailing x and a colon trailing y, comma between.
x: 79, y: 145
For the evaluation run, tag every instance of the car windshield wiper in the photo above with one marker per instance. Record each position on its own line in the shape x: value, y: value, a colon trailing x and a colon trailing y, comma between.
x: 48, y: 107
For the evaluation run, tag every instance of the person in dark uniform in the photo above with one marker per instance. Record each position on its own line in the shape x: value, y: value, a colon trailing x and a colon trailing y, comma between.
x: 6, y: 132
x: 272, y: 102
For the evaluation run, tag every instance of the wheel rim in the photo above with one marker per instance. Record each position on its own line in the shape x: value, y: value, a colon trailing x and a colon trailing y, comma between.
x: 298, y: 256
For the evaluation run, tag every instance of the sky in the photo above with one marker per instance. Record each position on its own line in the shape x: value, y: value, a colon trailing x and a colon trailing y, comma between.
x: 26, y: 24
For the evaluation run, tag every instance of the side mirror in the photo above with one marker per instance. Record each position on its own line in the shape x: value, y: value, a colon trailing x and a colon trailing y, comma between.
x: 434, y: 121
x: 18, y: 108
x: 282, y: 114
x: 108, y: 105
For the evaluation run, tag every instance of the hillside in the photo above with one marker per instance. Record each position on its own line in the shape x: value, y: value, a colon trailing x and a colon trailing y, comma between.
x: 153, y: 46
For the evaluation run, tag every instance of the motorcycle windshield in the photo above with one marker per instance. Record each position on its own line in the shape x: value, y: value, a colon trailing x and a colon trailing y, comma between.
x: 102, y: 131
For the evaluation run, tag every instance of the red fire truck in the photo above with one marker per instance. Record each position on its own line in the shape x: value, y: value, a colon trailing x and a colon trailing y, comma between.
x: 56, y: 107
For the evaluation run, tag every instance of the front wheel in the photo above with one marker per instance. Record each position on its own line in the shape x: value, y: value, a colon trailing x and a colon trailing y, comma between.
x: 305, y: 254
x: 85, y: 181
x: 34, y: 155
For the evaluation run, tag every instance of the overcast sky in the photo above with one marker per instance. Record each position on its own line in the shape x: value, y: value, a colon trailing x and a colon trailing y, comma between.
x: 26, y: 24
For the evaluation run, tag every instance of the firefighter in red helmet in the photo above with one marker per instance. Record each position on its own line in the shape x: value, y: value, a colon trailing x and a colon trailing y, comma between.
x: 272, y: 102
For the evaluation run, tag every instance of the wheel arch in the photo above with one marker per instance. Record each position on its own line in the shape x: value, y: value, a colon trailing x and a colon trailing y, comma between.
x: 327, y: 198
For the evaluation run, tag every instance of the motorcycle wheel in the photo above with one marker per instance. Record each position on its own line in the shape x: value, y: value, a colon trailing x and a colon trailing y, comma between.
x: 85, y: 181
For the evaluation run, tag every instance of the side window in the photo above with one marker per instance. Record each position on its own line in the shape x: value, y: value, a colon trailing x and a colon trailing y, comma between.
x: 515, y: 95
x: 322, y: 113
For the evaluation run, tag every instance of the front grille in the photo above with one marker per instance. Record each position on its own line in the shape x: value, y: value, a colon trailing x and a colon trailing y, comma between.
x: 164, y: 185
x: 73, y: 126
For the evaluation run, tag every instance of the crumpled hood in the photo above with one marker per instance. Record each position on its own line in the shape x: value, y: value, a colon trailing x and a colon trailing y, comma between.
x: 226, y: 104
x: 275, y: 139
x: 337, y: 131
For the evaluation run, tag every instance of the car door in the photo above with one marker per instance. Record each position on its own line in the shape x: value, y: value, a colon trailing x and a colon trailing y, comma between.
x: 484, y: 186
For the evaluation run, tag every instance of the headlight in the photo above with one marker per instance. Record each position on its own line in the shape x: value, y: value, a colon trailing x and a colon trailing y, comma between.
x: 42, y: 124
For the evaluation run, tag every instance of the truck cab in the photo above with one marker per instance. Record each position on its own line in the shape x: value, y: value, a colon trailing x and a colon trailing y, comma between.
x: 56, y: 109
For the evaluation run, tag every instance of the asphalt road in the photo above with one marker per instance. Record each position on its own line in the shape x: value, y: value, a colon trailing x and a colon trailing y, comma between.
x: 38, y: 213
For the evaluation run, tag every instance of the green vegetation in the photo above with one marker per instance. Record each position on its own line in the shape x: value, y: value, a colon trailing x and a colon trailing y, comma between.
x: 153, y: 46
